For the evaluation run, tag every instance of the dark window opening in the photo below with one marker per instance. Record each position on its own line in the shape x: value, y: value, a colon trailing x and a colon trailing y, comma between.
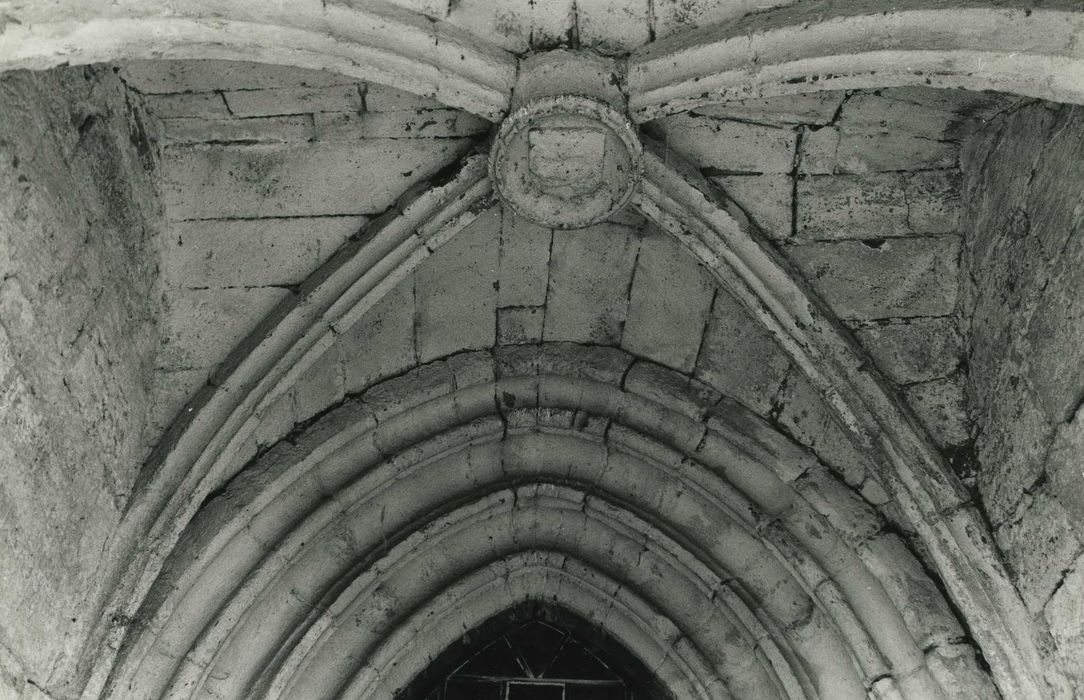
x: 535, y: 652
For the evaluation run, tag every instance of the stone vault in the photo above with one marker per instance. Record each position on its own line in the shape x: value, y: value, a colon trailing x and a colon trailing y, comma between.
x: 746, y: 336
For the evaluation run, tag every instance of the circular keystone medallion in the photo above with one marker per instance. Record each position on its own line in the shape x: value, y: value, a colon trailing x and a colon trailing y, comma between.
x: 566, y: 161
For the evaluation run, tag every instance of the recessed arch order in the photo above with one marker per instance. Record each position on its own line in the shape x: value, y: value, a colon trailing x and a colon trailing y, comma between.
x: 301, y: 573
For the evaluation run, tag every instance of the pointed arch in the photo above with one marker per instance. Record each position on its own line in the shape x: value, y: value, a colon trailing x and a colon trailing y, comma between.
x: 777, y: 559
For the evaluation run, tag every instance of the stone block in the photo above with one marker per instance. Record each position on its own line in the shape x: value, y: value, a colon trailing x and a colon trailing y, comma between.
x: 833, y: 151
x: 381, y: 98
x: 883, y: 278
x: 507, y: 25
x: 206, y: 75
x: 933, y: 200
x: 726, y: 147
x: 195, y: 104
x: 913, y: 350
x: 893, y: 112
x: 815, y: 109
x: 283, y: 129
x: 739, y: 357
x: 668, y: 305
x: 199, y: 327
x: 766, y: 199
x: 417, y: 124
x: 206, y: 182
x: 456, y: 308
x: 294, y: 100
x: 941, y: 406
x: 524, y: 261
x: 581, y: 305
x: 252, y: 252
x: 851, y: 206
x: 520, y: 324
x: 1040, y: 544
x: 613, y: 28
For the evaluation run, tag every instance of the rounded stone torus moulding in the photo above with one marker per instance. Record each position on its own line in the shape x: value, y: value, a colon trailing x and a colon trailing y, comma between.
x: 567, y: 156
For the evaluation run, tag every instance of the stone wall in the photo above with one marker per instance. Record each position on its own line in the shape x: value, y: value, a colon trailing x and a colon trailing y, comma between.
x: 860, y: 191
x: 78, y: 218
x: 266, y: 171
x: 1024, y: 298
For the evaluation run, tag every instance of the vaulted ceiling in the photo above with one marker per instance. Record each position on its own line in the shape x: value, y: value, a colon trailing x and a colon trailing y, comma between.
x: 725, y: 422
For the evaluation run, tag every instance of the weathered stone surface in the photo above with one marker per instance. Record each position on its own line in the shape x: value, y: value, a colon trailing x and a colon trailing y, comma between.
x: 322, y: 384
x: 294, y: 100
x: 766, y: 199
x: 456, y: 306
x: 941, y: 406
x: 206, y: 75
x: 397, y: 124
x: 78, y: 229
x: 1039, y: 544
x: 613, y: 28
x: 1058, y: 321
x: 1063, y: 614
x: 883, y: 278
x: 285, y: 129
x: 876, y: 206
x: 814, y: 109
x: 204, y: 182
x: 251, y: 253
x: 1012, y: 441
x: 835, y: 151
x: 673, y: 16
x: 172, y: 390
x: 520, y: 324
x: 1065, y: 467
x: 913, y: 350
x: 740, y: 358
x: 574, y: 263
x: 668, y: 303
x: 800, y: 410
x: 381, y: 344
x: 722, y: 147
x: 200, y: 326
x: 924, y: 609
x: 958, y: 672
x: 524, y: 262
x: 196, y: 104
x: 381, y: 98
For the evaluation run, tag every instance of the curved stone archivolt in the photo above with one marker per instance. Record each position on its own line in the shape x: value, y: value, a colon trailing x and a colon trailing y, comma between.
x: 426, y: 504
x: 847, y: 44
x: 568, y: 462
